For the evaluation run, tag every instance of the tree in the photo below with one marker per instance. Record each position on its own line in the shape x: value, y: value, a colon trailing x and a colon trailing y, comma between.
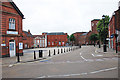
x: 102, y: 28
x: 72, y: 38
x: 93, y: 37
x: 68, y: 38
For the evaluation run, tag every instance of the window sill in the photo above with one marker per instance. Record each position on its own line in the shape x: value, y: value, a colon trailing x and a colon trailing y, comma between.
x: 11, y: 30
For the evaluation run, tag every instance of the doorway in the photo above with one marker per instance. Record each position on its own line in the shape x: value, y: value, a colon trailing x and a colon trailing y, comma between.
x: 12, y: 46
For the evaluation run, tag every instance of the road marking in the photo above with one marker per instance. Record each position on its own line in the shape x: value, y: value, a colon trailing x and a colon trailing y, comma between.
x: 42, y: 77
x: 93, y: 55
x: 67, y: 75
x: 96, y: 55
x: 103, y: 70
x: 83, y: 58
x: 84, y: 73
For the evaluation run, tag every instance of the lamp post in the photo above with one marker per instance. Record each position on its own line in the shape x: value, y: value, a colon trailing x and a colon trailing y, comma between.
x: 104, y: 45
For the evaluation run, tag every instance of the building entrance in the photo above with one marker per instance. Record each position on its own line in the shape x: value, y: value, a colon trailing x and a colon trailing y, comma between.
x: 12, y: 46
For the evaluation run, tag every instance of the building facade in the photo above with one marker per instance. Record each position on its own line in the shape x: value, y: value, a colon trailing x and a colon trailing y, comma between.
x: 114, y: 28
x: 40, y: 41
x: 80, y: 38
x: 94, y: 23
x: 27, y: 40
x: 94, y: 26
x: 11, y: 30
x: 87, y: 41
x: 56, y: 39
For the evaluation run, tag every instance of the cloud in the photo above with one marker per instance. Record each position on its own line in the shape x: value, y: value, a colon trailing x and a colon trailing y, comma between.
x: 63, y: 15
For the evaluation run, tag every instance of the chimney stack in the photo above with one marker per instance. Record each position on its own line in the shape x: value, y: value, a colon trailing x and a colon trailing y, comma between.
x: 28, y: 31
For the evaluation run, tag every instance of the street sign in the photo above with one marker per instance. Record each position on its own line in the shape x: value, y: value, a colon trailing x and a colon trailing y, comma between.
x: 20, y: 45
x: 112, y: 36
x: 3, y: 44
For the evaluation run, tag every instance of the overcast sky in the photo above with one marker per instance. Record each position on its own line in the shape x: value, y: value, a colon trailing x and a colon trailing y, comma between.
x: 67, y: 16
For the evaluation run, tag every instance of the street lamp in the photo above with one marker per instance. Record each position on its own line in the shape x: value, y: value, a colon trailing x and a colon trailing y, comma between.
x: 104, y: 45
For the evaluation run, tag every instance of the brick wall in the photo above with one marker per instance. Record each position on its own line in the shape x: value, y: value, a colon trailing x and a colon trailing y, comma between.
x: 94, y: 26
x: 27, y: 40
x: 54, y: 40
x: 8, y: 11
x: 78, y: 38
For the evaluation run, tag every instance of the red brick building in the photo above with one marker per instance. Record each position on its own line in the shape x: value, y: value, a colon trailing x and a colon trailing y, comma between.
x: 94, y: 23
x: 80, y: 38
x: 56, y: 39
x: 40, y: 41
x: 27, y: 40
x: 88, y: 42
x: 114, y: 28
x: 11, y: 30
x: 94, y: 26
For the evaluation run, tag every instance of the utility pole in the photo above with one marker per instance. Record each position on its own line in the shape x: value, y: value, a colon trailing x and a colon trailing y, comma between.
x: 104, y: 45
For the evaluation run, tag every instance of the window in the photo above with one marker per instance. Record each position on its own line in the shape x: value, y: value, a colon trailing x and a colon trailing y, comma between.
x: 92, y: 24
x: 48, y: 43
x: 37, y: 41
x: 11, y: 23
x: 43, y: 43
x: 63, y: 43
x: 59, y: 43
x: 52, y: 43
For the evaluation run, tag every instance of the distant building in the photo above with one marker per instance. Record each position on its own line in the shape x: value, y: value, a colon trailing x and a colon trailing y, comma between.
x: 27, y: 40
x: 40, y: 41
x: 80, y: 38
x: 56, y: 39
x: 88, y: 42
x: 94, y: 23
x: 11, y: 30
x: 94, y: 26
x: 114, y: 28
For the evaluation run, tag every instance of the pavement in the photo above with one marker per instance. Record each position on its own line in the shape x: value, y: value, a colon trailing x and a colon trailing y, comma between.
x: 85, y: 62
x: 110, y: 52
x: 29, y: 55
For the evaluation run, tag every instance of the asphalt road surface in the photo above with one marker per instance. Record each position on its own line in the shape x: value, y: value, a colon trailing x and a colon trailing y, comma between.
x: 80, y: 63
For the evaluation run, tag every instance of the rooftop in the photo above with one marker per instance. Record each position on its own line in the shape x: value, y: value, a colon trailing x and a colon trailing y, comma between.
x: 29, y: 35
x: 95, y: 19
x: 56, y: 33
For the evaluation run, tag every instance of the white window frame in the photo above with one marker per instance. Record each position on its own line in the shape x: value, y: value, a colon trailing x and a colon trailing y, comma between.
x: 11, y: 23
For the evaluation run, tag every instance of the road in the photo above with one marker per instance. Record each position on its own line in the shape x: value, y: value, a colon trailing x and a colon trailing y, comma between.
x: 80, y: 63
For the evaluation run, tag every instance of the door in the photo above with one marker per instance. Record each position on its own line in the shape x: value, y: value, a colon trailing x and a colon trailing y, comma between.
x: 12, y: 48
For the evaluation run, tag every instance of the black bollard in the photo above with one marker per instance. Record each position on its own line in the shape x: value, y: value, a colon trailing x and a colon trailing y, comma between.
x: 40, y: 53
x: 18, y: 57
x: 34, y: 56
x: 64, y: 50
x: 69, y: 49
x: 58, y: 51
x: 61, y: 50
x: 49, y: 53
x: 54, y: 51
x: 79, y: 46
